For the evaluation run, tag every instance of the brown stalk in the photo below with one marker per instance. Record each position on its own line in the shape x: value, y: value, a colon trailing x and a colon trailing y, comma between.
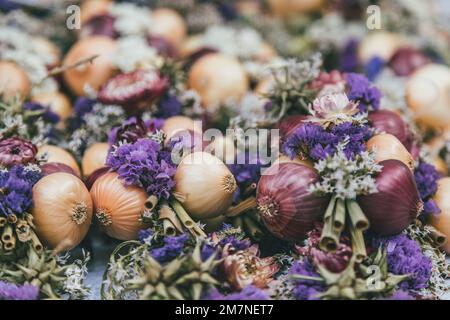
x: 247, y: 204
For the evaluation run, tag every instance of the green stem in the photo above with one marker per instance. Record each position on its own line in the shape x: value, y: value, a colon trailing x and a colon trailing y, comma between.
x: 357, y: 217
x: 305, y: 277
x: 339, y: 216
x: 329, y: 239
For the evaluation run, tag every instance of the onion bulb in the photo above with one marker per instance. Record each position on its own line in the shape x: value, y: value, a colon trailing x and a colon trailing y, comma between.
x: 57, y: 102
x: 55, y: 167
x: 285, y: 204
x: 218, y: 79
x: 94, y: 158
x: 289, y: 8
x: 46, y: 48
x: 93, y: 74
x: 62, y: 210
x: 288, y: 124
x: 204, y: 185
x: 13, y: 80
x: 285, y: 159
x: 386, y: 146
x: 93, y: 8
x: 168, y: 24
x: 397, y: 201
x: 222, y: 147
x: 428, y: 95
x: 441, y: 221
x: 176, y: 124
x: 57, y: 154
x: 118, y: 208
x: 378, y: 44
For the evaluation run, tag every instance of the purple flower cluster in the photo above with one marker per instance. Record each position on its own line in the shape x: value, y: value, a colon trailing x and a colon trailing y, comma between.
x: 315, y: 142
x: 426, y: 177
x: 245, y: 174
x: 374, y: 67
x: 16, y: 185
x: 129, y: 132
x: 169, y: 106
x: 144, y: 164
x: 10, y: 291
x: 306, y: 289
x: 405, y: 257
x: 170, y: 248
x: 362, y: 91
x: 250, y: 292
x: 349, y: 56
x: 47, y: 114
x: 81, y: 107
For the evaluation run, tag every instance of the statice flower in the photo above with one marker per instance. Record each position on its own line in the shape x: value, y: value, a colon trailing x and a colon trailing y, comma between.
x: 81, y: 107
x: 426, y: 177
x: 349, y: 56
x: 245, y: 174
x: 405, y: 256
x: 10, y: 291
x: 47, y: 114
x: 306, y: 289
x: 16, y: 185
x: 250, y: 292
x: 172, y: 248
x: 374, y: 67
x: 361, y: 90
x: 169, y: 106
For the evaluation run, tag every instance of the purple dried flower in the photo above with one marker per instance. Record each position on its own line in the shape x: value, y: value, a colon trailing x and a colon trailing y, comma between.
x: 47, y: 114
x: 81, y: 107
x: 144, y: 164
x: 154, y: 124
x: 374, y: 67
x: 361, y: 90
x: 172, y: 248
x: 405, y: 256
x: 245, y: 174
x: 10, y: 291
x: 306, y: 289
x: 129, y: 132
x: 14, y: 151
x: 349, y: 56
x: 169, y: 106
x: 400, y: 295
x: 426, y: 177
x: 250, y: 292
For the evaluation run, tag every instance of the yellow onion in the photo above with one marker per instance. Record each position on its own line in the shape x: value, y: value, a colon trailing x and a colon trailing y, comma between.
x: 397, y: 201
x: 378, y: 44
x: 118, y: 208
x: 266, y: 53
x: 289, y: 8
x: 440, y: 165
x: 13, y: 80
x: 92, y: 8
x: 57, y: 102
x: 176, y: 124
x: 47, y: 48
x: 94, y: 158
x: 57, y: 154
x: 190, y: 45
x: 204, y: 185
x: 285, y: 204
x: 428, y: 95
x: 218, y: 79
x: 93, y: 74
x: 168, y: 24
x: 222, y: 147
x: 386, y: 146
x: 264, y: 86
x: 62, y: 210
x: 441, y: 221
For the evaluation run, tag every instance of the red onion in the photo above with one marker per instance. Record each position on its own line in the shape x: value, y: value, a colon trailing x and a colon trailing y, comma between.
x: 164, y: 47
x: 285, y: 205
x: 288, y: 124
x: 407, y: 60
x: 390, y: 122
x: 94, y: 176
x: 397, y: 202
x: 100, y: 25
x: 196, y: 55
x: 56, y: 167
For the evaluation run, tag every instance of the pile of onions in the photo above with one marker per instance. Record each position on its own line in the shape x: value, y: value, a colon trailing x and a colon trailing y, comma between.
x: 204, y: 185
x: 218, y: 79
x: 386, y: 146
x: 397, y: 202
x: 387, y: 121
x: 94, y: 158
x: 59, y: 155
x: 441, y: 221
x: 13, y: 80
x: 284, y: 203
x: 118, y: 208
x: 62, y: 210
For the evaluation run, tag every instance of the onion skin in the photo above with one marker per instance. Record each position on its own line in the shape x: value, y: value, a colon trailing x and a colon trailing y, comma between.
x: 378, y: 44
x: 287, y: 208
x: 94, y: 158
x: 118, y: 208
x: 390, y: 122
x: 441, y: 221
x: 13, y: 80
x: 386, y: 146
x: 397, y: 202
x: 288, y: 125
x: 177, y: 124
x: 57, y: 154
x: 406, y: 60
x: 89, y: 182
x: 55, y: 167
x: 167, y: 23
x: 62, y: 210
x: 204, y: 185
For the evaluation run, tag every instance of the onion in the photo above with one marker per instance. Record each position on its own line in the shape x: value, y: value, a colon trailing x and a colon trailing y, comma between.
x: 62, y: 210
x: 93, y: 74
x: 94, y: 158
x: 406, y: 60
x: 177, y: 124
x: 218, y: 79
x: 57, y: 102
x: 46, y: 48
x: 397, y: 202
x: 13, y: 80
x: 93, y: 8
x: 441, y: 221
x: 390, y: 122
x: 386, y: 147
x: 57, y: 154
x: 428, y: 95
x: 204, y: 185
x: 285, y: 159
x: 222, y: 147
x: 100, y: 25
x: 89, y: 182
x: 118, y: 208
x: 289, y: 8
x: 378, y: 44
x: 288, y: 125
x: 168, y: 24
x: 285, y: 205
x: 55, y: 167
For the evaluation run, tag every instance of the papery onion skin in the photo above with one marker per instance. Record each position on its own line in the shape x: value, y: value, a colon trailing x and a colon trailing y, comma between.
x: 62, y: 210
x: 390, y: 122
x: 55, y: 167
x: 118, y: 208
x: 441, y: 221
x: 406, y: 60
x: 170, y: 25
x: 58, y: 103
x: 89, y: 181
x: 397, y: 202
x: 286, y: 206
x: 57, y: 154
x: 386, y: 146
x: 94, y: 158
x: 176, y: 124
x: 13, y: 80
x: 204, y: 185
x: 288, y: 125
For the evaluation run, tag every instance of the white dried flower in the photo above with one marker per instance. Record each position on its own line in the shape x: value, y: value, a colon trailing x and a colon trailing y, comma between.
x: 131, y: 19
